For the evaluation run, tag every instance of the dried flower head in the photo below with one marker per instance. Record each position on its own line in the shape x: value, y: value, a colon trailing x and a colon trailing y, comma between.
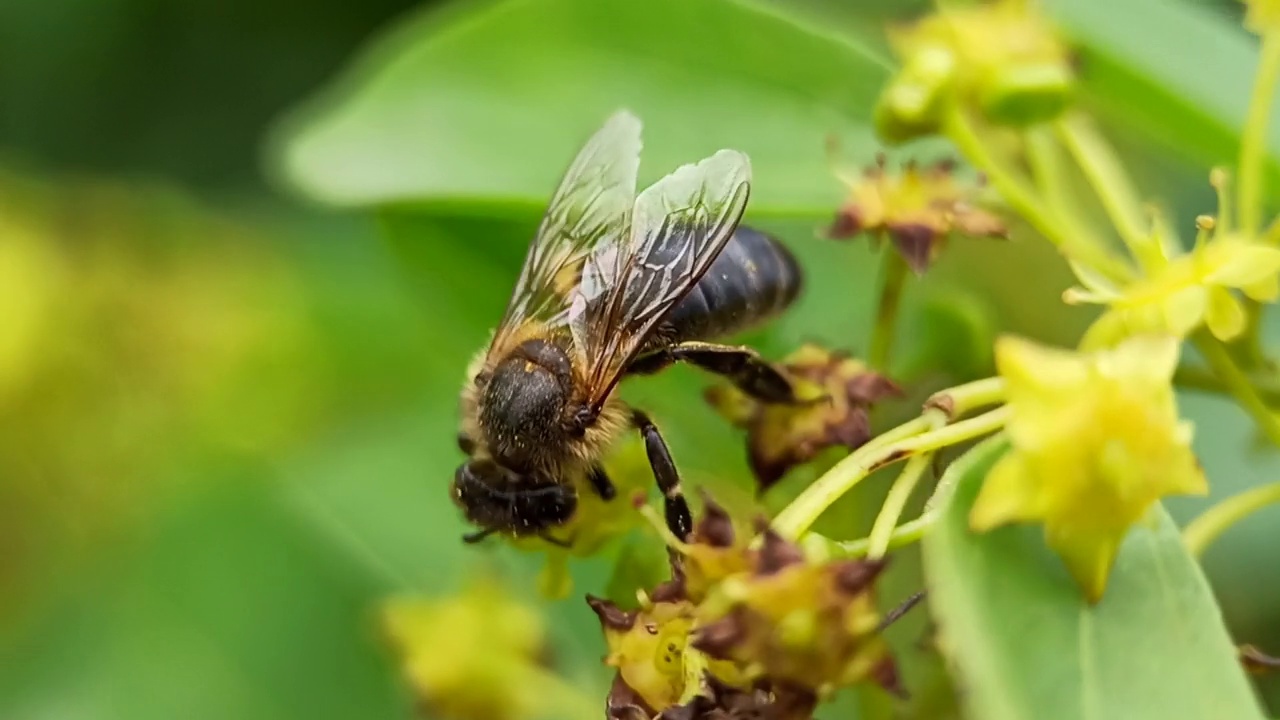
x: 917, y: 209
x: 743, y: 628
x: 726, y: 702
x: 1096, y: 441
x: 806, y: 625
x: 837, y: 392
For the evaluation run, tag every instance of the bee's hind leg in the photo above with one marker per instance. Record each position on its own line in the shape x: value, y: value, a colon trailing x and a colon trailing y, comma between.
x: 740, y: 365
x: 679, y: 519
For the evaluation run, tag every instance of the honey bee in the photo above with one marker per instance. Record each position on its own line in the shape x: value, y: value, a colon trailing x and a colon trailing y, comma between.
x: 613, y: 285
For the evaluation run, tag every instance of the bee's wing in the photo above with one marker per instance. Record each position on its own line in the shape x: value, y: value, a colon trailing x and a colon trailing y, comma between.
x: 678, y: 227
x: 590, y: 208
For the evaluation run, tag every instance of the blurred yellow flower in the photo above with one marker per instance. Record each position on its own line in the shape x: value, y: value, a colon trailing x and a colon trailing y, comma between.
x: 1262, y: 16
x: 1191, y: 290
x: 474, y: 656
x: 1000, y: 58
x: 1096, y: 441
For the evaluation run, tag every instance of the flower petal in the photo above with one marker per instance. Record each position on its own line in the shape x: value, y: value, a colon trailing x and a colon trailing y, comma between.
x: 1236, y: 263
x: 1088, y: 554
x: 1009, y: 494
x: 1183, y: 311
x: 1224, y: 315
x: 1266, y: 290
x: 1094, y: 281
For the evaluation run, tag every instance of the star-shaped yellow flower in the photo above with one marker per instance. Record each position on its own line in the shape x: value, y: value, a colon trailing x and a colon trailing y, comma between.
x: 1096, y: 441
x: 1191, y: 290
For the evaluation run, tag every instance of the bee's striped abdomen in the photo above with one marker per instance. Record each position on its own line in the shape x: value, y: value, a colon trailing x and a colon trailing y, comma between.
x: 754, y: 278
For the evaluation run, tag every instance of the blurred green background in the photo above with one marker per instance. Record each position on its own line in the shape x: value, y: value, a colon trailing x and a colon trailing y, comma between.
x: 247, y: 247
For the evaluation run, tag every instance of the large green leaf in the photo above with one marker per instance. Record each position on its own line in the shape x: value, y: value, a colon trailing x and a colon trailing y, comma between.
x: 492, y: 104
x: 1025, y: 644
x: 488, y: 101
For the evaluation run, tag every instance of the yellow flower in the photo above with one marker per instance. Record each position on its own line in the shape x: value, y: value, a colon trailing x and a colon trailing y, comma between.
x: 1262, y: 16
x: 1096, y: 441
x: 1191, y: 290
x: 473, y: 657
x: 1000, y: 58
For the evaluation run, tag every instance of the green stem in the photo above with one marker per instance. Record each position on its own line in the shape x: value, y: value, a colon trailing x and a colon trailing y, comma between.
x: 904, y: 534
x: 1253, y: 140
x: 899, y: 493
x: 1198, y: 378
x: 970, y: 396
x: 1098, y: 162
x: 1070, y: 241
x: 797, y: 517
x: 1206, y: 528
x: 893, y: 275
x: 1237, y: 383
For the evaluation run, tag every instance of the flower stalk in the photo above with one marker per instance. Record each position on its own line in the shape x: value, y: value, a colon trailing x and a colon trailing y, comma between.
x: 1253, y: 139
x: 1107, y: 176
x: 931, y: 431
x: 1212, y: 523
x: 1076, y: 245
x: 884, y: 526
x: 1238, y: 384
x: 893, y: 276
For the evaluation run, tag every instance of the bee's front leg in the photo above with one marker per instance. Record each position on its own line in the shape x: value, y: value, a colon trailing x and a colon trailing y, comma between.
x: 601, y: 483
x: 679, y: 519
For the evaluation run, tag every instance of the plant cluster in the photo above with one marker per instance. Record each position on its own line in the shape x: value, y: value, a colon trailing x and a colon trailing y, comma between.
x: 766, y: 618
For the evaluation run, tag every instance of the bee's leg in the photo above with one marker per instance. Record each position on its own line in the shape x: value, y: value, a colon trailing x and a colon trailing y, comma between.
x: 742, y: 366
x: 555, y: 541
x: 679, y: 518
x: 601, y: 482
x: 472, y: 538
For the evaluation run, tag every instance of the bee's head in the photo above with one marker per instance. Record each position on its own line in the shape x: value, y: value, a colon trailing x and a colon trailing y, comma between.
x: 496, y: 498
x: 523, y: 404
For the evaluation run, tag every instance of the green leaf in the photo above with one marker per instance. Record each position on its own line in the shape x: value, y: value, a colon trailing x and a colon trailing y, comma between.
x: 1183, y: 81
x: 1025, y: 644
x: 492, y: 104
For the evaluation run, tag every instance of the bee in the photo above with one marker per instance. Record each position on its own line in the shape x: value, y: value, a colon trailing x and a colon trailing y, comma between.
x: 614, y: 285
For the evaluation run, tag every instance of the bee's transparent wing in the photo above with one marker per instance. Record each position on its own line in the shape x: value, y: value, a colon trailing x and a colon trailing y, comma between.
x: 678, y: 227
x: 591, y: 208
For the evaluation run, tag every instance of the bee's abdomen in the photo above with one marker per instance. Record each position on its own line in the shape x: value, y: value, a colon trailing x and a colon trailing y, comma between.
x: 754, y: 278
